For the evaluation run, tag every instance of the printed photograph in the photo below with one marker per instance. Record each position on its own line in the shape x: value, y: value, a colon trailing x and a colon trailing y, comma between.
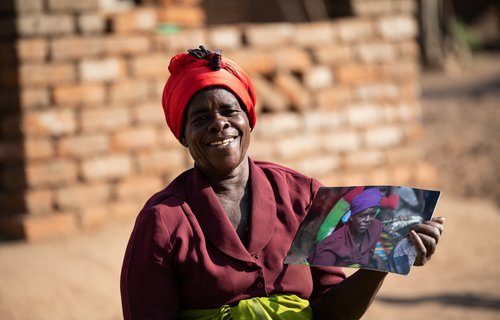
x: 363, y: 227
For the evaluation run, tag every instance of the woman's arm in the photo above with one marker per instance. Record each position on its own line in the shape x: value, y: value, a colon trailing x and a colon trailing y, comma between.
x: 148, y: 282
x: 351, y: 298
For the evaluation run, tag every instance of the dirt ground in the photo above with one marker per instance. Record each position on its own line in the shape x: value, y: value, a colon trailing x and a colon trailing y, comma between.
x: 78, y: 278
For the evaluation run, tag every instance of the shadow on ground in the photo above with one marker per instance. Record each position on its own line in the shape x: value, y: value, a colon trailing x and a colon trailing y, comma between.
x: 466, y: 300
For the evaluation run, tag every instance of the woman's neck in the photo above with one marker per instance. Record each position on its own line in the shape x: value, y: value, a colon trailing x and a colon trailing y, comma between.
x: 235, y: 180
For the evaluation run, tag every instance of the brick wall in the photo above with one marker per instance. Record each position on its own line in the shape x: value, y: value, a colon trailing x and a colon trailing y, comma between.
x: 83, y: 136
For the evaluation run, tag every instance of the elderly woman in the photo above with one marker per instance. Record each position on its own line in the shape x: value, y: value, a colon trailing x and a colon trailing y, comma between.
x: 211, y: 244
x: 353, y: 244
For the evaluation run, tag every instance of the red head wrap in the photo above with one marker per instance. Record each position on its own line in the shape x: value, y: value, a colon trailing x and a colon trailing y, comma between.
x: 199, y: 69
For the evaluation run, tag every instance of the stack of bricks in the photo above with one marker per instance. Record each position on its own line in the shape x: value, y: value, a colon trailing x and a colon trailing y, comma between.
x: 84, y: 141
x: 185, y: 13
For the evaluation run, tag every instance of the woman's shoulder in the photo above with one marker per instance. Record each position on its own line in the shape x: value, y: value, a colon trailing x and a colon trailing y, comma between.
x: 277, y: 169
x: 173, y: 193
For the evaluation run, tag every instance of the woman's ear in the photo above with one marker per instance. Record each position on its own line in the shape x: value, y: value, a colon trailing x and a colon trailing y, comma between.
x: 183, y: 141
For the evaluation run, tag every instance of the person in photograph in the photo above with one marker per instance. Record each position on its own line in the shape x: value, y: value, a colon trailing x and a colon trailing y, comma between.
x: 211, y: 244
x: 353, y: 244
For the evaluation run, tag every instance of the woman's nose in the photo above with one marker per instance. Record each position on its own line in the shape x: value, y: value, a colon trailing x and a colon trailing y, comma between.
x: 218, y: 123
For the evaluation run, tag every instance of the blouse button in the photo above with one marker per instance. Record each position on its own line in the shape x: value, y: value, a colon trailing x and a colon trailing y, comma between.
x: 257, y: 256
x: 260, y: 285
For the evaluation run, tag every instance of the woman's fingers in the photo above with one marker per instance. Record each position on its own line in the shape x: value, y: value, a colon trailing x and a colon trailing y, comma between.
x: 425, y: 237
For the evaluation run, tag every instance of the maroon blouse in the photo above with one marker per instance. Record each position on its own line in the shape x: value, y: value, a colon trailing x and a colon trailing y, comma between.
x: 184, y: 253
x: 340, y: 249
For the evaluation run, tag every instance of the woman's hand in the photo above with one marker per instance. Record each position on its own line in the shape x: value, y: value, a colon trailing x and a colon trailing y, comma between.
x: 425, y: 237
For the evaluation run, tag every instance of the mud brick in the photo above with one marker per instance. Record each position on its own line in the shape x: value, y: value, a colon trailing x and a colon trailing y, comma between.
x: 181, y: 41
x: 88, y: 23
x: 126, y: 44
x: 138, y: 187
x: 334, y: 54
x: 129, y: 91
x: 49, y: 122
x: 104, y: 119
x: 318, y: 77
x: 225, y: 37
x: 184, y: 15
x: 166, y: 138
x: 400, y: 71
x: 405, y: 6
x: 70, y: 5
x: 101, y: 70
x: 254, y: 61
x: 314, y: 34
x: 355, y: 30
x: 364, y: 159
x: 292, y: 88
x: 374, y: 52
x: 413, y: 133
x: 46, y: 74
x: 379, y: 91
x: 78, y: 196
x: 45, y: 25
x: 34, y: 97
x: 277, y: 124
x: 32, y: 50
x: 82, y: 145
x: 107, y: 167
x: 39, y: 202
x: 51, y: 173
x: 383, y: 137
x: 363, y: 114
x: 318, y: 165
x: 373, y: 7
x: 134, y: 138
x: 143, y: 19
x: 289, y: 58
x: 402, y: 154
x: 79, y: 94
x: 296, y: 146
x: 323, y: 120
x: 410, y: 91
x: 269, y: 35
x: 21, y: 6
x: 397, y: 27
x: 350, y: 74
x: 341, y: 142
x: 71, y: 48
x: 334, y: 97
x: 38, y: 228
x: 150, y: 66
x: 162, y: 161
x: 38, y: 148
x: 408, y: 50
x: 267, y: 94
x: 148, y: 113
x: 379, y: 176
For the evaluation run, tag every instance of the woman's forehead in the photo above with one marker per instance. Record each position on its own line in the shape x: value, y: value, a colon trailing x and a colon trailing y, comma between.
x: 212, y: 95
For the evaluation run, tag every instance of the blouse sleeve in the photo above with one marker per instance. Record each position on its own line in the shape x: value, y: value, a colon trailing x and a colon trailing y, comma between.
x: 148, y: 282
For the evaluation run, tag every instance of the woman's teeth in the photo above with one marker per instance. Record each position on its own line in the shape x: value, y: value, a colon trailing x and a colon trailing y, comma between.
x: 224, y: 142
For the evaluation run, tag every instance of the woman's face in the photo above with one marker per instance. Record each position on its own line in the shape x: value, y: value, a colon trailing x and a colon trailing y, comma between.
x: 216, y: 131
x: 362, y: 221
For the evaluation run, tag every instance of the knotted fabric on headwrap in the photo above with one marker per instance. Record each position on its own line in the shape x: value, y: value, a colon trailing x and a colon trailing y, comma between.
x: 366, y: 199
x: 199, y: 69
